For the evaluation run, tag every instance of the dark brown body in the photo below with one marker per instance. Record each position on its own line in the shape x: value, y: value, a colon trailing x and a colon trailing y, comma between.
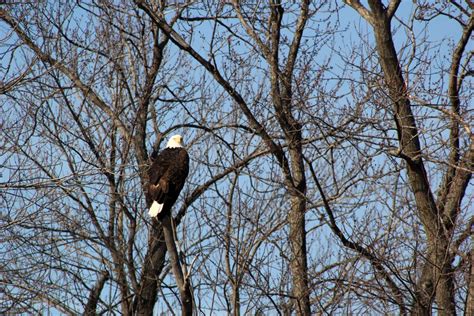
x: 167, y: 175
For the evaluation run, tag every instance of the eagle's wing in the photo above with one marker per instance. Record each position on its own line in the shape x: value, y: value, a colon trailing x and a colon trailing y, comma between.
x: 180, y: 171
x: 158, y: 185
x: 167, y: 174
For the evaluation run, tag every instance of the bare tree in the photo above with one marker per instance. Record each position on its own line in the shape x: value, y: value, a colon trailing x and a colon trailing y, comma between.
x: 94, y: 99
x: 291, y: 162
x: 331, y: 153
x: 439, y: 216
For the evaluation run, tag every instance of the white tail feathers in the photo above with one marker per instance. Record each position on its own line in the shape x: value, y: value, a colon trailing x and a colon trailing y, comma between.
x: 155, y: 209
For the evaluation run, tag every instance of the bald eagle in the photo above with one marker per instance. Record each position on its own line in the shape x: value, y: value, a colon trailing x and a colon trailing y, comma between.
x: 167, y: 175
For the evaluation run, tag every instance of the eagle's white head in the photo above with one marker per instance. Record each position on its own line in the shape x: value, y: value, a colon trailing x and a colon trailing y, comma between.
x: 175, y: 141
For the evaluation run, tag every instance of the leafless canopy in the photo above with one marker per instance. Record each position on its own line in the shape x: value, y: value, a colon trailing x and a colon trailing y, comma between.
x: 331, y: 151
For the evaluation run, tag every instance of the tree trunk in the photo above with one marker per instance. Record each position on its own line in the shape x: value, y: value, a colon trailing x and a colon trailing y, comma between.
x: 296, y: 219
x: 91, y: 307
x: 153, y: 264
x: 410, y: 151
x: 299, y: 265
x: 470, y: 289
x: 182, y: 280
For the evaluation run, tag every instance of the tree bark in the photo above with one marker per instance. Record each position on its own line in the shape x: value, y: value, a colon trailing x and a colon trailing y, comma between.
x: 94, y: 296
x: 182, y: 280
x: 299, y: 264
x: 152, y: 266
x: 470, y: 289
